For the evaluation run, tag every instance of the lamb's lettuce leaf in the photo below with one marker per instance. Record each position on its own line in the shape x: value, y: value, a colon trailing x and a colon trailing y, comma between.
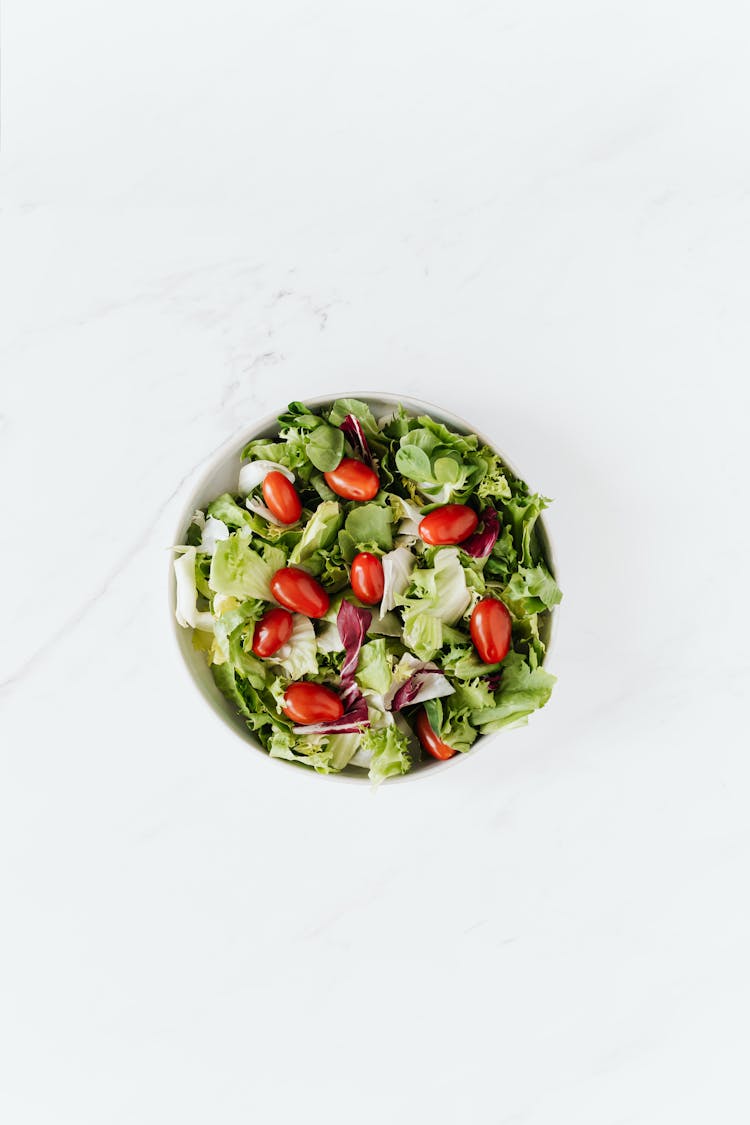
x: 325, y: 447
x: 369, y: 527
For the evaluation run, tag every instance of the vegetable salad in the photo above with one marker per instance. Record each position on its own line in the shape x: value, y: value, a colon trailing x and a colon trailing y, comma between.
x: 373, y: 591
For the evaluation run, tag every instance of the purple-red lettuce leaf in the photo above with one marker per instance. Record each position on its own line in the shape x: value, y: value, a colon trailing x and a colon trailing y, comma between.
x: 480, y: 544
x: 355, y: 435
x: 427, y: 682
x: 352, y: 623
x: 492, y: 679
x: 354, y: 719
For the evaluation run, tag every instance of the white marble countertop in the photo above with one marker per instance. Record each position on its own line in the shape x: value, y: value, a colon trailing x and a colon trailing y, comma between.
x: 538, y: 217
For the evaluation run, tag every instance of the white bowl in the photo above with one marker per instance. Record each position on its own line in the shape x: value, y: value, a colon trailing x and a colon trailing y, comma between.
x: 221, y: 476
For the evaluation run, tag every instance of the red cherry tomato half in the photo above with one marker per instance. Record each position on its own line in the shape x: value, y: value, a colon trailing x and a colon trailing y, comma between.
x: 367, y: 578
x: 450, y: 524
x: 281, y: 497
x: 430, y: 741
x: 298, y: 590
x: 353, y: 480
x: 311, y: 703
x: 272, y: 631
x: 490, y: 630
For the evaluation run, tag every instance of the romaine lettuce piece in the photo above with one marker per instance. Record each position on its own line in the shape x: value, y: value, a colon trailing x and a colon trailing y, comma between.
x: 186, y: 611
x: 319, y: 532
x: 398, y: 566
x: 238, y: 570
x: 374, y: 671
x: 423, y: 633
x: 298, y: 656
x: 226, y: 681
x: 342, y: 748
x: 437, y: 594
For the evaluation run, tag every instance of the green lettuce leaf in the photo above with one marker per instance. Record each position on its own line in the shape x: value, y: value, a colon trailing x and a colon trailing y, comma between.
x: 503, y: 559
x: 423, y: 633
x: 527, y: 639
x: 522, y: 511
x: 444, y: 465
x: 291, y: 453
x: 373, y: 670
x: 437, y: 595
x: 369, y: 526
x: 325, y: 447
x: 229, y: 684
x: 328, y: 565
x: 390, y: 752
x: 319, y: 532
x: 493, y: 484
x: 314, y: 751
x: 239, y: 571
x: 298, y: 657
x: 234, y: 618
x: 342, y: 748
x: 226, y: 509
x: 522, y: 690
x: 345, y: 406
x: 274, y: 556
x: 296, y: 419
x: 456, y: 728
x: 461, y: 660
x: 472, y: 694
x: 531, y: 590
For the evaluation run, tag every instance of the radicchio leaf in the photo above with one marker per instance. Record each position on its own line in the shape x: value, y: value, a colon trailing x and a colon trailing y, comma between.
x: 355, y: 435
x: 354, y: 719
x: 427, y: 682
x: 352, y: 623
x: 492, y: 679
x: 480, y: 544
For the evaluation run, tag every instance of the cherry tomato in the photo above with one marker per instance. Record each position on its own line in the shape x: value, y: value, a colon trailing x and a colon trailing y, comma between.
x: 281, y: 497
x: 430, y: 741
x: 311, y: 703
x: 298, y: 590
x: 450, y: 524
x: 367, y: 578
x: 272, y: 631
x: 490, y: 630
x: 353, y: 480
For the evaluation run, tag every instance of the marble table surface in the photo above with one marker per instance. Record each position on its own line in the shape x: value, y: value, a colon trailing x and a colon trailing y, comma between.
x: 537, y: 216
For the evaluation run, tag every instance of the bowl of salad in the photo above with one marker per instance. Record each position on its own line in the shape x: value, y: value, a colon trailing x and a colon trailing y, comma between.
x: 364, y: 588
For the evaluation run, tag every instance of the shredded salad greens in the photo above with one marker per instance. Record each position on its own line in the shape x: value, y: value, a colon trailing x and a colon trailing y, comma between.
x: 419, y: 649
